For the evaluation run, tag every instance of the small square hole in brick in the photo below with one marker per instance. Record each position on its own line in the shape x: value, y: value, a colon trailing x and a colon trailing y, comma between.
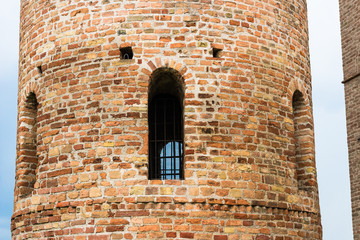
x: 216, y: 52
x: 126, y: 53
x: 39, y: 69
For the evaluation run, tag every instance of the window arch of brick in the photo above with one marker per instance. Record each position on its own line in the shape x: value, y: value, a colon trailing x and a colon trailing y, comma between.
x: 27, y: 158
x: 304, y: 142
x: 166, y: 128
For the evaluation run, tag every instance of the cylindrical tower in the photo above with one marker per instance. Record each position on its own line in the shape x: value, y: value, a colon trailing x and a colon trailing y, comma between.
x: 165, y: 119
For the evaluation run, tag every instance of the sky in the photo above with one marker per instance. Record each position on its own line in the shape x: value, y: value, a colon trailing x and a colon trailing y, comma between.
x: 328, y: 102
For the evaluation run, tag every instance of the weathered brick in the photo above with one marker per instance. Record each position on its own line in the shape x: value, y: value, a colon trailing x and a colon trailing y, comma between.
x: 82, y: 168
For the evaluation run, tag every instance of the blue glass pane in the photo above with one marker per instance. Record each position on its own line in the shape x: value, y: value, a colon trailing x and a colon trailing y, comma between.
x: 170, y: 156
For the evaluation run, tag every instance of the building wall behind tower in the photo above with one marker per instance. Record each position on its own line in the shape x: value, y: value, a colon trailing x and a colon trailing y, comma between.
x: 352, y: 96
x: 350, y: 33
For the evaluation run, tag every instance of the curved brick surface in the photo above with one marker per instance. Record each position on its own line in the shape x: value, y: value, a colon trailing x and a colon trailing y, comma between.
x: 82, y: 169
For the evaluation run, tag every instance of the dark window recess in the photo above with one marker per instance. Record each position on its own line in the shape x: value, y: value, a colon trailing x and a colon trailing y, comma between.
x: 165, y: 138
x: 303, y: 142
x: 27, y: 148
x: 216, y: 52
x: 126, y: 53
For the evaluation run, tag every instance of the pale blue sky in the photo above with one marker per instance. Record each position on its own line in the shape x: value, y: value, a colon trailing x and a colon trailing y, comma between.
x: 329, y: 113
x: 330, y: 123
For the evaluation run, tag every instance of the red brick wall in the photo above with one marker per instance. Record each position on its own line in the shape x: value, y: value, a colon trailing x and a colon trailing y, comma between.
x: 350, y: 34
x: 241, y: 146
x: 352, y: 98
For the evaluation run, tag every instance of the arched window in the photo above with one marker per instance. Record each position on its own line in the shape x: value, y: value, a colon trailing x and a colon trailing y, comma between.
x: 27, y: 160
x: 304, y: 142
x: 166, y: 128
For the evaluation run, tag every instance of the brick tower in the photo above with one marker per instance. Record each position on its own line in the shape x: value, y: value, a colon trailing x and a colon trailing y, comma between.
x: 165, y: 119
x: 350, y: 33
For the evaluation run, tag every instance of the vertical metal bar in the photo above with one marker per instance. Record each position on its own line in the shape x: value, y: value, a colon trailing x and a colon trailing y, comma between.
x: 165, y: 137
x: 154, y: 158
x: 181, y: 145
x: 173, y: 160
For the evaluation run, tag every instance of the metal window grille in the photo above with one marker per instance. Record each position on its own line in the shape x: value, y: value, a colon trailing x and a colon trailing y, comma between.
x: 165, y: 138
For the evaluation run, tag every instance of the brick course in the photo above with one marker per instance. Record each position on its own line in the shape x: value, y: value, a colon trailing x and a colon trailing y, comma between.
x: 249, y: 162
